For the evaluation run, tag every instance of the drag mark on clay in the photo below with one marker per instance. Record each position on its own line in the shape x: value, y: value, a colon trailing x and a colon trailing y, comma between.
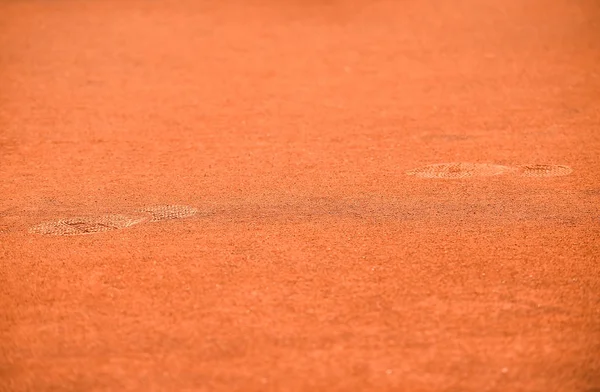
x: 169, y: 212
x: 543, y: 170
x: 457, y: 170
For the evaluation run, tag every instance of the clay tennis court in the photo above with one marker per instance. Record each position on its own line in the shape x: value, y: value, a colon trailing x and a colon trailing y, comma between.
x: 300, y: 195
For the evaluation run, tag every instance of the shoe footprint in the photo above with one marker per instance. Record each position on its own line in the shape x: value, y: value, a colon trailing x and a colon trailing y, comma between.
x: 93, y: 224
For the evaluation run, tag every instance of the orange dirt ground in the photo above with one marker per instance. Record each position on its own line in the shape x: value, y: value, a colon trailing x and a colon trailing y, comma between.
x: 313, y: 251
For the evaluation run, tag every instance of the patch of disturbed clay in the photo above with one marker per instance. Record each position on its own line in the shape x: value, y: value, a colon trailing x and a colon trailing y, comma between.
x: 169, y: 212
x: 86, y: 225
x: 458, y: 170
x: 447, y: 137
x: 543, y: 170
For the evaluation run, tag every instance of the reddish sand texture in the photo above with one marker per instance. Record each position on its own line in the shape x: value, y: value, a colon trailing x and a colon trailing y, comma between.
x: 312, y: 250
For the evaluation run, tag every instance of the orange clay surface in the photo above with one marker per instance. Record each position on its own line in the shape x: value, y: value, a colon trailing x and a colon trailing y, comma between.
x: 253, y: 178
